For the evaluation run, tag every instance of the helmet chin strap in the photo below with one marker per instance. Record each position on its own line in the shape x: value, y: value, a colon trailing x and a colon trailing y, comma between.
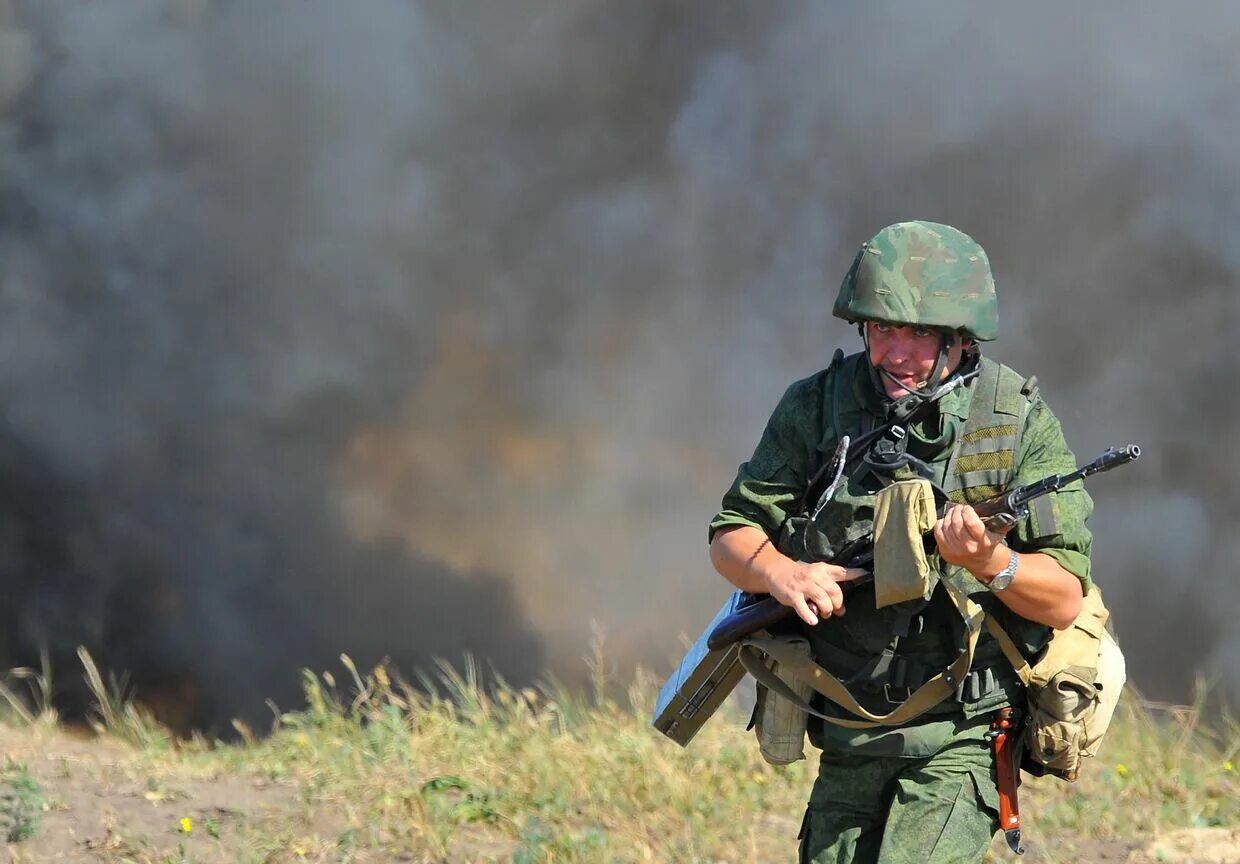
x: 932, y: 390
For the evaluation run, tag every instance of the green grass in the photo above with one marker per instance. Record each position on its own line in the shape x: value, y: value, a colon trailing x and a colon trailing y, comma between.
x: 21, y: 802
x: 452, y: 771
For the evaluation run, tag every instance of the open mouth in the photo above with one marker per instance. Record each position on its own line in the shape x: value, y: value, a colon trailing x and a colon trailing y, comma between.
x: 908, y: 381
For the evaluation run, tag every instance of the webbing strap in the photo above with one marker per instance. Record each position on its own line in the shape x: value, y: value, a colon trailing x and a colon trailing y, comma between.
x: 1010, y: 651
x: 763, y: 675
x: 797, y: 667
x: 1013, y: 654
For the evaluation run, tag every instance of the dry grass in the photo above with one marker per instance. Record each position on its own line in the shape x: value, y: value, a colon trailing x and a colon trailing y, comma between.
x: 453, y: 771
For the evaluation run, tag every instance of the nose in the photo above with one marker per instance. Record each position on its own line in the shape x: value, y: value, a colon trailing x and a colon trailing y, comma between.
x: 896, y: 348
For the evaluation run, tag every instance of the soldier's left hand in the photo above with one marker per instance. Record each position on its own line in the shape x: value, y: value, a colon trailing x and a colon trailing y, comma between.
x: 963, y: 539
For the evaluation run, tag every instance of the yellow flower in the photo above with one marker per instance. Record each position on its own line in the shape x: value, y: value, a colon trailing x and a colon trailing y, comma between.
x: 1121, y: 769
x: 1228, y: 766
x: 187, y: 825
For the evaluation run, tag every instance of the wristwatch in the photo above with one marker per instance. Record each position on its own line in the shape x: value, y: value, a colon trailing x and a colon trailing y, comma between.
x: 1004, y: 577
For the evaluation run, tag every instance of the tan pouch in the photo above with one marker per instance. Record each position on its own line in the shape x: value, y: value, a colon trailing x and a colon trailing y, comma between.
x: 778, y: 722
x: 903, y: 512
x: 1073, y: 690
x: 1056, y: 735
x: 1112, y: 675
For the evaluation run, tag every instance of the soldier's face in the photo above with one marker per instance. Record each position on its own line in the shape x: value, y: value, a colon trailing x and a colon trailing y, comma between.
x: 908, y: 355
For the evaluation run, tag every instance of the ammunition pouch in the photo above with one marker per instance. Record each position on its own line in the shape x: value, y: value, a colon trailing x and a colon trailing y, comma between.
x: 780, y: 717
x: 1072, y: 691
x: 903, y: 512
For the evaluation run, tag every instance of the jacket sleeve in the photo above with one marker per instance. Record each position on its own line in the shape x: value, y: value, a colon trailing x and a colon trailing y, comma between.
x: 1057, y: 523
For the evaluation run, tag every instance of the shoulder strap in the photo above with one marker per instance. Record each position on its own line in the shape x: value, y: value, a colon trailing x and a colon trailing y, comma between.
x: 1010, y: 651
x: 831, y: 407
x: 984, y: 460
x: 829, y: 414
x: 984, y: 455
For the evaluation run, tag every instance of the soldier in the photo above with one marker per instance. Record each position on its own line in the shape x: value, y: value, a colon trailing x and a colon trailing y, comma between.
x: 919, y: 400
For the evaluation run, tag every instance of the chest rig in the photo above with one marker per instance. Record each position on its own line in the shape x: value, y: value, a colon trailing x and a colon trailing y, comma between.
x: 884, y: 667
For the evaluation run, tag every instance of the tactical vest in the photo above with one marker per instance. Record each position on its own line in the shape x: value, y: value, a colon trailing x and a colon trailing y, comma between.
x: 884, y: 654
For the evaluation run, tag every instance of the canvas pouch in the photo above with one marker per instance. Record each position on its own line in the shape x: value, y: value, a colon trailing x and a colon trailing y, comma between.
x: 903, y: 512
x: 1073, y: 690
x: 778, y: 722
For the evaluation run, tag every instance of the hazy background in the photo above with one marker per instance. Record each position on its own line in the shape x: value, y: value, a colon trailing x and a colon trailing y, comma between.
x: 416, y: 329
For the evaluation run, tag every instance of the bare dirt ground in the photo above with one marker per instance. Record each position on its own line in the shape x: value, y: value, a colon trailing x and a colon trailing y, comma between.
x: 1187, y: 846
x: 1195, y: 845
x: 99, y: 807
x: 1062, y: 850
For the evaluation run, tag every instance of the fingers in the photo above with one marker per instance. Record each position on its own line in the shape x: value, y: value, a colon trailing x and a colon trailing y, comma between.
x: 972, y: 524
x: 963, y: 537
x: 852, y: 574
x: 814, y: 591
x: 831, y: 578
x: 832, y: 574
x: 819, y: 596
x: 958, y: 521
x: 792, y: 591
x: 959, y: 527
x: 830, y: 597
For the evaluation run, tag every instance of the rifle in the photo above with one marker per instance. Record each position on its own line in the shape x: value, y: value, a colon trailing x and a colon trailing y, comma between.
x: 1000, y: 512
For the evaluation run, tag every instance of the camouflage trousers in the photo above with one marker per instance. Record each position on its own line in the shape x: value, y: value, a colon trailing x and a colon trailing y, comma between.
x: 890, y: 810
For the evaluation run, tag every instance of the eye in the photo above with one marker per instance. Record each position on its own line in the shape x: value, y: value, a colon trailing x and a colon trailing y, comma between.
x: 922, y: 332
x: 879, y: 327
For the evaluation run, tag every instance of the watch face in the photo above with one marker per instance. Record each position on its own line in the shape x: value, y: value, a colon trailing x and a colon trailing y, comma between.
x: 1004, y: 577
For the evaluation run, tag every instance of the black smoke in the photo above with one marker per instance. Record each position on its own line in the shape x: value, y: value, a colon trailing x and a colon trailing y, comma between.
x: 310, y: 313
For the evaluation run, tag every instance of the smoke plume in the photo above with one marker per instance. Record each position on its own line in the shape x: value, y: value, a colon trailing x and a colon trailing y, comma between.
x: 421, y: 329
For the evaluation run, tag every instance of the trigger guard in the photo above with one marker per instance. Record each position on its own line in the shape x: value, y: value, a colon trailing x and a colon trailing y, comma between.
x: 1004, y: 521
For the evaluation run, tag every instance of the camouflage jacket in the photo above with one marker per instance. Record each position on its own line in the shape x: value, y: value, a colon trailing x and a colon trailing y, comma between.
x: 872, y: 649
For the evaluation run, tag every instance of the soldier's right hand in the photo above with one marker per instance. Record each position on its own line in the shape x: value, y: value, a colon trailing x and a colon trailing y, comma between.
x: 812, y: 589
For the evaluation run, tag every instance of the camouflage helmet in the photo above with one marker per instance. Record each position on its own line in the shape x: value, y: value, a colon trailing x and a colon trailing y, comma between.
x: 922, y: 274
